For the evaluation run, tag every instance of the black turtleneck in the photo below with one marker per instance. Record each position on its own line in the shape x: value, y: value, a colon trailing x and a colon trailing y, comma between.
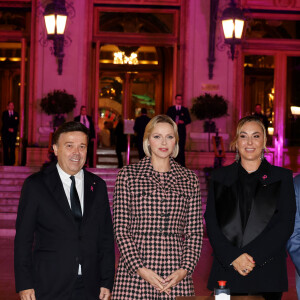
x: 247, y: 186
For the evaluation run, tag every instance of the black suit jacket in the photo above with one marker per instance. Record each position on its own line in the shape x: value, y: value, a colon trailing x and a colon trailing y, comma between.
x: 184, y: 116
x: 9, y: 122
x: 92, y: 128
x: 268, y: 229
x: 139, y: 127
x: 48, y: 244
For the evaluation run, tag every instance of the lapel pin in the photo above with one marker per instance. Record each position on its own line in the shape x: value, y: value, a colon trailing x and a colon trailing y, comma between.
x: 264, y: 177
x: 92, y: 188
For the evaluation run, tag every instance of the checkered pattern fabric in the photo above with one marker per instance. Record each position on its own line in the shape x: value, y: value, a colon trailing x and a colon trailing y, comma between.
x: 158, y: 226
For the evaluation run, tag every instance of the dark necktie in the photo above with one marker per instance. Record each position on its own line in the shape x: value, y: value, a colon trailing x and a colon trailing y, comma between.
x: 75, y: 203
x: 84, y: 121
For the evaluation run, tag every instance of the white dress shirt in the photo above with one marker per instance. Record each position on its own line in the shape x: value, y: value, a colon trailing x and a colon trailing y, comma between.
x: 79, y: 182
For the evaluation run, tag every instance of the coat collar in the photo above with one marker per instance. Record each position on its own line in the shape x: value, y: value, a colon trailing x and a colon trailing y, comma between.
x: 265, y: 176
x: 178, y: 174
x: 56, y: 189
x: 262, y: 210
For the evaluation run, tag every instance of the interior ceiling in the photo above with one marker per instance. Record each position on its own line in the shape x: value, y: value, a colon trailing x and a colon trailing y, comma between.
x: 10, y: 51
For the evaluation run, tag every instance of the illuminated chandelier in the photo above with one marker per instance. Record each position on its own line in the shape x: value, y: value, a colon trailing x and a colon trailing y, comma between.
x: 121, y: 58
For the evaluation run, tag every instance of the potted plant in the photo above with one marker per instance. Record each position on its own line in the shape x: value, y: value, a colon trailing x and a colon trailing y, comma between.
x: 208, y: 107
x: 58, y: 103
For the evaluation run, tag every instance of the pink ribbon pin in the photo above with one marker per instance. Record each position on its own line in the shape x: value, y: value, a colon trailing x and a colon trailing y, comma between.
x: 264, y: 177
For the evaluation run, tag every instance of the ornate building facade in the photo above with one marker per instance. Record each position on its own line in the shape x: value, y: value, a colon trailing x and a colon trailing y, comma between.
x: 121, y: 56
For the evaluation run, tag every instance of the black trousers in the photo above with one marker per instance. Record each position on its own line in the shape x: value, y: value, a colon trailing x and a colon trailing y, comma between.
x: 119, y: 155
x: 90, y: 154
x: 78, y: 291
x: 181, y: 154
x: 9, y: 146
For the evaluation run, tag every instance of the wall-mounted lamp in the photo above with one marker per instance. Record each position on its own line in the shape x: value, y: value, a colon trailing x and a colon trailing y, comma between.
x: 295, y: 110
x: 233, y: 24
x: 55, y: 16
x: 271, y: 130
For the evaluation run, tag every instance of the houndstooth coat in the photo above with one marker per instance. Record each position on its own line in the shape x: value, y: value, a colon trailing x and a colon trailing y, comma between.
x: 158, y: 227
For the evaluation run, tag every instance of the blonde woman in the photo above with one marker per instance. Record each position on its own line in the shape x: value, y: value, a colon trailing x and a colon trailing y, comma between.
x: 157, y: 220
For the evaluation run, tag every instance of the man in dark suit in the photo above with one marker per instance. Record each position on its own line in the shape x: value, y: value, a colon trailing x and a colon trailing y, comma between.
x: 139, y: 128
x: 293, y: 245
x: 64, y: 246
x: 181, y: 116
x: 10, y: 123
x: 259, y: 115
x: 87, y: 121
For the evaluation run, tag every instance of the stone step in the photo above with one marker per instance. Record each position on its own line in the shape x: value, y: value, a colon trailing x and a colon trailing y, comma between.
x: 111, y: 150
x: 13, y: 175
x: 13, y: 169
x: 9, y: 188
x: 8, y: 209
x: 11, y: 181
x: 10, y: 195
x: 7, y: 224
x: 107, y: 159
x: 109, y: 179
x: 8, y: 216
x: 107, y: 166
x: 8, y: 201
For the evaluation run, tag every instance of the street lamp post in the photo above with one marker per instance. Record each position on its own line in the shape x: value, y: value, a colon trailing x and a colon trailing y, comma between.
x: 233, y: 24
x: 55, y: 16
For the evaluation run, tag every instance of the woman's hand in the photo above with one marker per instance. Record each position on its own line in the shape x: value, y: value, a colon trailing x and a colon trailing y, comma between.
x: 151, y: 277
x: 173, y: 279
x: 244, y: 264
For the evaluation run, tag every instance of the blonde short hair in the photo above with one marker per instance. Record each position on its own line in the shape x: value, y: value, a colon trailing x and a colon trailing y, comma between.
x: 241, y: 123
x: 149, y: 128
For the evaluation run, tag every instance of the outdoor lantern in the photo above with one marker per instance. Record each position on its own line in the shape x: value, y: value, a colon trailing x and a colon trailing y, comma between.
x: 55, y: 16
x: 233, y: 24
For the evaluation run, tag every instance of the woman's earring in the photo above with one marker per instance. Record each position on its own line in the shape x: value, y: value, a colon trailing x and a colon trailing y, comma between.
x: 237, y: 156
x: 262, y: 156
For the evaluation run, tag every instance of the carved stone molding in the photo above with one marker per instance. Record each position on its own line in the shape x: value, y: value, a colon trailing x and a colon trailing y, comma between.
x: 271, y: 4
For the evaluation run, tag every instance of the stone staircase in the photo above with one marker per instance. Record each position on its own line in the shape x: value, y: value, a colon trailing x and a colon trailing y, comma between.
x: 12, y: 178
x: 107, y: 158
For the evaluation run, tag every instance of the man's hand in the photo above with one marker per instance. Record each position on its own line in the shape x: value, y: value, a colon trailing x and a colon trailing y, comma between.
x: 244, y: 264
x: 27, y: 294
x: 173, y: 279
x: 104, y: 294
x: 151, y: 277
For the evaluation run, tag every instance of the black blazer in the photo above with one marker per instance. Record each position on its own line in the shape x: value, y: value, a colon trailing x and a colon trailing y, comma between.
x: 9, y: 122
x: 269, y: 227
x: 92, y: 128
x: 48, y: 244
x: 184, y: 116
x: 139, y: 126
